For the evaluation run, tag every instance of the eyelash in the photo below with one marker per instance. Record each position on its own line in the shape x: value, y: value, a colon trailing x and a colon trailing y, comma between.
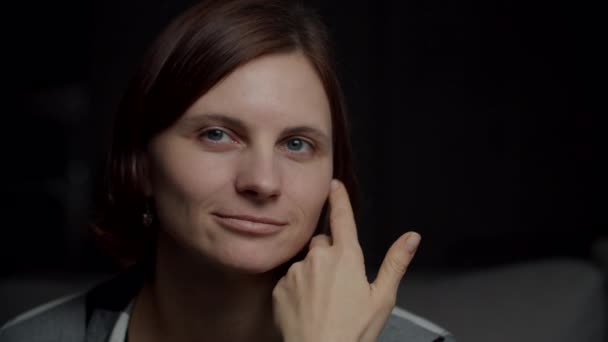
x: 306, y: 141
x: 223, y: 131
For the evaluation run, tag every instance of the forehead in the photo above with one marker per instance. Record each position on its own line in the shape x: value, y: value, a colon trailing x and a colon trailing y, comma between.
x: 283, y: 89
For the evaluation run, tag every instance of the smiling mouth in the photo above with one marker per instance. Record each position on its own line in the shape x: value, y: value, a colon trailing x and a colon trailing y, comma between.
x: 250, y: 225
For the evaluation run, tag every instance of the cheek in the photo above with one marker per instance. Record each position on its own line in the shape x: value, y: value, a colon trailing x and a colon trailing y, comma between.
x: 189, y: 180
x: 308, y: 190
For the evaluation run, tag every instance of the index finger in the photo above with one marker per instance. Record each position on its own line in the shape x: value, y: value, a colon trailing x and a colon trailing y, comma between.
x: 341, y: 218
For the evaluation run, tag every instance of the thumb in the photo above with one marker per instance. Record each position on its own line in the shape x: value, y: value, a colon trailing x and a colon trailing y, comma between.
x: 395, y: 263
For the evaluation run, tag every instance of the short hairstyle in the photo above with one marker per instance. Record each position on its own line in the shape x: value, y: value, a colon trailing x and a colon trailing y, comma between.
x: 197, y: 50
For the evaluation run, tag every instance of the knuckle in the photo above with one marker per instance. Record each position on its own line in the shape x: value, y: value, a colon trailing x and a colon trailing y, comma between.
x: 316, y: 254
x: 319, y: 237
x: 317, y: 259
x: 319, y: 240
x: 296, y: 274
x: 276, y: 292
x: 293, y: 270
x: 397, y: 266
x: 351, y: 253
x: 295, y: 266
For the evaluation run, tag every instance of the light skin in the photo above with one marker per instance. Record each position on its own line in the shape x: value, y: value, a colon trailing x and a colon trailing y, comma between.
x: 239, y: 182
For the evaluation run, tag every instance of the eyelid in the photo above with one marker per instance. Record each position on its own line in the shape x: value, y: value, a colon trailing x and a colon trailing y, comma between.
x: 233, y: 136
x: 313, y: 145
x: 310, y: 142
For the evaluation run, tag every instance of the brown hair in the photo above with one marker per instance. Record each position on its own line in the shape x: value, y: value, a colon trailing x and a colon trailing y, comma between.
x: 195, y: 52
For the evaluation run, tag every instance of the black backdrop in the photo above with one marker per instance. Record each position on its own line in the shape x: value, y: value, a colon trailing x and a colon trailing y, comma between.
x: 475, y: 123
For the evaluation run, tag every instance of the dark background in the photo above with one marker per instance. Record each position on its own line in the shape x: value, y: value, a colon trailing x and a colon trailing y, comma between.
x: 476, y: 123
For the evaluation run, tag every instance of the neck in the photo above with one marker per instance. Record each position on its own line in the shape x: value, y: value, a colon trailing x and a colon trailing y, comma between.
x: 194, y: 301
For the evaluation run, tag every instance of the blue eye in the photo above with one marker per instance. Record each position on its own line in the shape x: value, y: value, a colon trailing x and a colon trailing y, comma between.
x: 298, y: 145
x: 215, y: 135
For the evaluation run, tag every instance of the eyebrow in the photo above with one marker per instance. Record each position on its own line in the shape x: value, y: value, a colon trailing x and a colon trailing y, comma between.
x: 239, y: 125
x: 196, y: 120
x: 307, y: 130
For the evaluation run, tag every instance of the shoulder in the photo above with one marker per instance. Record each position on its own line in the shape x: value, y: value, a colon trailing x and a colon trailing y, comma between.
x: 60, y: 320
x: 89, y: 315
x: 403, y: 325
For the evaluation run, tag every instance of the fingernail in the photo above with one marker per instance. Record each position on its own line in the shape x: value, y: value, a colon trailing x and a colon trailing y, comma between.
x: 334, y: 184
x: 412, y: 242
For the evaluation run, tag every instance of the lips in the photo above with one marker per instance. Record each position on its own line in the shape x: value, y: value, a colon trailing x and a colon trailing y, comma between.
x: 249, y: 224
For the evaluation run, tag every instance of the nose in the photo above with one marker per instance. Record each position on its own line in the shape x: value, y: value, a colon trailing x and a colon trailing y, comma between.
x: 259, y: 176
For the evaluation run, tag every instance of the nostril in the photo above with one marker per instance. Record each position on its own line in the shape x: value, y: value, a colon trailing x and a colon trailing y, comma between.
x: 259, y: 193
x: 251, y: 193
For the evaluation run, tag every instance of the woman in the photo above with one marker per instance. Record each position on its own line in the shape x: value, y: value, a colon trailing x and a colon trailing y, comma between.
x: 227, y: 193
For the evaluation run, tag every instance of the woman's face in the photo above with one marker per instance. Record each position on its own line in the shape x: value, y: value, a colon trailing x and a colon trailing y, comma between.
x: 241, y: 178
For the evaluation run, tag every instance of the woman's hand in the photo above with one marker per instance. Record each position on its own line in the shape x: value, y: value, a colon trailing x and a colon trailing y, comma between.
x: 326, y: 297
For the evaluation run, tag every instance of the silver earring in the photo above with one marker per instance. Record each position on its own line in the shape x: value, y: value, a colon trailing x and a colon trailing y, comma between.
x: 147, y: 218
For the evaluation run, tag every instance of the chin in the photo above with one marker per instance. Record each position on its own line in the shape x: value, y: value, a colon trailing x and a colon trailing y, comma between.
x: 257, y: 263
x: 250, y: 268
x: 255, y: 257
x: 244, y: 255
